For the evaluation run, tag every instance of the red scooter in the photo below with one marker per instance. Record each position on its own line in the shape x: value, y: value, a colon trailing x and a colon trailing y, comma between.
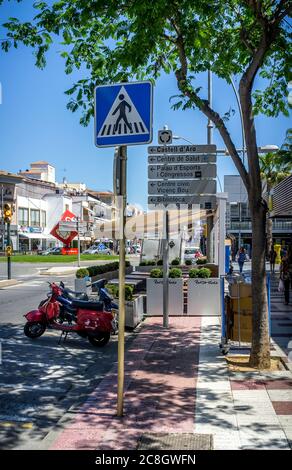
x: 87, y: 319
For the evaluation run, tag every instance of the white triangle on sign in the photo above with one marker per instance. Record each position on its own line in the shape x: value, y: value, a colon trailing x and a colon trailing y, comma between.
x: 123, y: 118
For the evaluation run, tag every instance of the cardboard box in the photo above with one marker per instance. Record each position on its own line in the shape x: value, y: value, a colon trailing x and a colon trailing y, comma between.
x: 241, y: 303
x: 245, y: 321
x: 240, y: 290
x: 245, y: 335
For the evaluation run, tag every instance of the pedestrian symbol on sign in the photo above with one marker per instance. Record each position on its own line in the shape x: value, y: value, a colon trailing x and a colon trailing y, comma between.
x: 122, y: 118
x: 122, y: 109
x: 123, y: 114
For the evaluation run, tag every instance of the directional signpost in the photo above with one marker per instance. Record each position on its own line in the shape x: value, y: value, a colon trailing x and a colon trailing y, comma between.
x: 123, y: 116
x: 179, y: 187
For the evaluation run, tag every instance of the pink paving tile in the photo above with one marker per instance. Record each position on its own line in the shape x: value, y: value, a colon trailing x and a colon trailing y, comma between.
x: 283, y: 407
x: 246, y: 385
x: 278, y: 384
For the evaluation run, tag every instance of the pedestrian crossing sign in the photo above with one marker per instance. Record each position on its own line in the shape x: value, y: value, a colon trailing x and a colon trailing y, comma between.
x: 123, y: 114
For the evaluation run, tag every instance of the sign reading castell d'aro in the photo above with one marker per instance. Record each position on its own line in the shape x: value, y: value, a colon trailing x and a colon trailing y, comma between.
x: 123, y: 114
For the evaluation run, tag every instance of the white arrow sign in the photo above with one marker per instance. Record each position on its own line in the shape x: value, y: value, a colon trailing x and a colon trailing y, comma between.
x: 182, y: 187
x: 205, y: 202
x: 182, y: 171
x: 182, y: 149
x: 175, y: 159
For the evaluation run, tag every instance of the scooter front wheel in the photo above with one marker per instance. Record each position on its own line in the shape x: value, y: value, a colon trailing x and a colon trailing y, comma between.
x: 34, y: 329
x: 99, y: 340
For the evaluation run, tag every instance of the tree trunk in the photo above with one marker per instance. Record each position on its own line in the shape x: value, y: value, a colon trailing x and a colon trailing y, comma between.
x: 260, y: 348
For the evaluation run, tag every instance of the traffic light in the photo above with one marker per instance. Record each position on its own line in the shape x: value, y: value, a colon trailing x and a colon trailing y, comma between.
x: 7, y: 213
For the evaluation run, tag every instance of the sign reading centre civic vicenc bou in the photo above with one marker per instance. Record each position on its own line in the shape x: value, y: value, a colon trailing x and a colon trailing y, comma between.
x: 123, y: 114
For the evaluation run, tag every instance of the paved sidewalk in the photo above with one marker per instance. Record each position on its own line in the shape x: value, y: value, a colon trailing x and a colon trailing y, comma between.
x: 160, y: 379
x: 177, y: 381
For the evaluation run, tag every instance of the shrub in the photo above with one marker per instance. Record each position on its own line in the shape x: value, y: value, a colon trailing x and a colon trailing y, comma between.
x: 204, y: 272
x: 151, y: 262
x: 81, y: 273
x: 160, y: 262
x: 156, y: 273
x: 201, y: 260
x: 143, y: 263
x: 114, y: 290
x: 194, y: 272
x: 175, y: 273
x: 188, y: 262
x: 175, y: 262
x: 105, y: 268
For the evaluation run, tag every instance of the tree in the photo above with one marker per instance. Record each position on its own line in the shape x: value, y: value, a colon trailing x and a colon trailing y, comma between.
x: 124, y: 39
x: 275, y: 167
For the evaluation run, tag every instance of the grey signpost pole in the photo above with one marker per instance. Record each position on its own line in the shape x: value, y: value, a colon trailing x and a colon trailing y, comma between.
x: 122, y: 192
x: 165, y: 268
x: 210, y: 218
x: 78, y: 240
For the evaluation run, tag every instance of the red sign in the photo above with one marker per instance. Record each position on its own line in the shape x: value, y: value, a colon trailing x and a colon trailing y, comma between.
x: 69, y: 251
x: 65, y: 237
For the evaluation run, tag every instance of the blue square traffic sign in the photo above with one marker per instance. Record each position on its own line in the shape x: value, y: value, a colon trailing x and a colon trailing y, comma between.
x: 123, y: 114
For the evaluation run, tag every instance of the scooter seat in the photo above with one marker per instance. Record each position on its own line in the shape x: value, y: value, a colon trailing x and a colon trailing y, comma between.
x: 87, y: 305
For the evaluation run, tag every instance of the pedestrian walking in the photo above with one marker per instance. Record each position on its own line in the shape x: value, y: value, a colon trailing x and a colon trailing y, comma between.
x: 285, y: 277
x: 272, y: 257
x: 241, y: 258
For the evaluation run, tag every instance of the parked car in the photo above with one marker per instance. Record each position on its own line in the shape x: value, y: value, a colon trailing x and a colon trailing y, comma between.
x: 51, y: 251
x: 192, y: 253
x: 97, y: 251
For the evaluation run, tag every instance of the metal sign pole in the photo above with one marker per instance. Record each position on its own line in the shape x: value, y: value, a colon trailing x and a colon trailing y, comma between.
x: 8, y: 257
x: 122, y: 155
x: 78, y: 241
x: 165, y: 269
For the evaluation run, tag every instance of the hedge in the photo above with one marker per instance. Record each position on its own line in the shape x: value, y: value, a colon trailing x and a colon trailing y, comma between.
x: 105, y: 268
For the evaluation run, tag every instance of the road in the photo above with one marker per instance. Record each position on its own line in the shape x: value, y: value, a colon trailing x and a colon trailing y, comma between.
x: 40, y: 379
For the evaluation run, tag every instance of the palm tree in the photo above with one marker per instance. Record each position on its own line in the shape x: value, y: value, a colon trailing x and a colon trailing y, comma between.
x: 275, y: 167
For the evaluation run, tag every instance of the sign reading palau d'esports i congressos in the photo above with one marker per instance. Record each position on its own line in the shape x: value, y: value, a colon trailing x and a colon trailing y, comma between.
x: 123, y: 114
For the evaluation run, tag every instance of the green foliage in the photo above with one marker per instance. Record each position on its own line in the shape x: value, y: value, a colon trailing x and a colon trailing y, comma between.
x: 151, y: 262
x: 199, y: 273
x: 111, y: 41
x: 201, y: 261
x: 276, y: 166
x: 175, y: 262
x: 188, y: 262
x: 175, y: 273
x: 114, y: 290
x: 160, y: 262
x: 81, y: 273
x: 104, y: 268
x: 156, y: 273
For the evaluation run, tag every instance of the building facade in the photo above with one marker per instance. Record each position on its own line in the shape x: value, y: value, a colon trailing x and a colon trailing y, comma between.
x: 238, y: 220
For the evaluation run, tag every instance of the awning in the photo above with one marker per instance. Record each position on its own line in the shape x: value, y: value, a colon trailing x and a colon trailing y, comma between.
x: 36, y: 236
x: 150, y: 223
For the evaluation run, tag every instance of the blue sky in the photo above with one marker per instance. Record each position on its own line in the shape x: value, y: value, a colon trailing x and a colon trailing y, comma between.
x: 35, y: 124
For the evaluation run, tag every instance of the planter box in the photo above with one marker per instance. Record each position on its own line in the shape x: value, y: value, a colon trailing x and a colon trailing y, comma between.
x: 83, y: 285
x: 134, y: 312
x: 204, y: 296
x: 154, y: 289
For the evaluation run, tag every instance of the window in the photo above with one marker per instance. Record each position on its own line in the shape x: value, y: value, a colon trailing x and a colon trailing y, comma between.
x: 43, y: 218
x: 34, y: 218
x: 22, y: 216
